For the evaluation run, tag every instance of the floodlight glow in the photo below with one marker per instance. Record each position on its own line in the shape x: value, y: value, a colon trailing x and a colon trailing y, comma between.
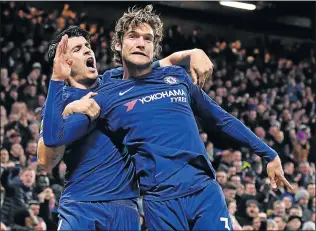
x: 239, y: 5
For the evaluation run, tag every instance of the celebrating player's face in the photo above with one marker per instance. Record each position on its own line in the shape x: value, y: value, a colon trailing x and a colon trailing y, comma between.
x: 83, y: 68
x: 138, y: 46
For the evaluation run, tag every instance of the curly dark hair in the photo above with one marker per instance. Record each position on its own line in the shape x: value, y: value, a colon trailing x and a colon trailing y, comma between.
x: 71, y: 31
x: 131, y: 19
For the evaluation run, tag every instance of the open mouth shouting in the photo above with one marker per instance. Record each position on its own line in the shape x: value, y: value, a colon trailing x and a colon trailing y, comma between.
x: 90, y: 63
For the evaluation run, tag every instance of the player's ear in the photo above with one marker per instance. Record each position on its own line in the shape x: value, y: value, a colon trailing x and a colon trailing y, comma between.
x: 118, y: 46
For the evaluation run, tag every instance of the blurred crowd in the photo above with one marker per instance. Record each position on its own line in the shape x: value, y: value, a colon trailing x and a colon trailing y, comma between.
x: 270, y: 88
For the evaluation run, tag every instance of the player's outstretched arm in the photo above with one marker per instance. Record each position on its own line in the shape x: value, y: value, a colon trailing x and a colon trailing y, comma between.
x: 195, y: 61
x: 204, y: 107
x: 48, y: 157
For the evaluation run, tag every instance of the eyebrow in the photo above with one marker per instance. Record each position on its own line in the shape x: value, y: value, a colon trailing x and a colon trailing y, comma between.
x: 133, y: 31
x: 80, y: 45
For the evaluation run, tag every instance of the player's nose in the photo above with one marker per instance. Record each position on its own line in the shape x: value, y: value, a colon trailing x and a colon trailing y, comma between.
x: 141, y: 42
x: 87, y: 52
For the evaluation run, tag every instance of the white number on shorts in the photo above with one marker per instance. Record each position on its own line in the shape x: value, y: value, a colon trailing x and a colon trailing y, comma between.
x: 59, y: 224
x: 225, y: 219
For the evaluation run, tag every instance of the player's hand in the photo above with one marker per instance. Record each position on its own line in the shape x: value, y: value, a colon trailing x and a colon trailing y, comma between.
x: 276, y: 174
x: 86, y: 105
x: 62, y: 61
x: 201, y: 67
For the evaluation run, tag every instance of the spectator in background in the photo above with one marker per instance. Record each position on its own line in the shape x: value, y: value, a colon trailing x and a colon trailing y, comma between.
x: 296, y: 210
x: 288, y: 201
x: 279, y: 208
x: 29, y: 219
x: 31, y: 151
x: 23, y: 192
x: 289, y: 171
x: 34, y: 129
x: 301, y: 198
x: 311, y: 191
x: 30, y: 97
x: 17, y: 155
x: 305, y: 174
x: 232, y: 208
x: 310, y: 226
x: 221, y: 177
x: 256, y: 223
x: 229, y: 192
x: 252, y: 211
x: 301, y: 147
x: 294, y: 223
x: 280, y: 221
x: 272, y: 225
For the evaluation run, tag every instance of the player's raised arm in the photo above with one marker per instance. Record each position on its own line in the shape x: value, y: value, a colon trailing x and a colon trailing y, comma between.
x: 204, y: 107
x: 195, y: 61
x: 58, y: 131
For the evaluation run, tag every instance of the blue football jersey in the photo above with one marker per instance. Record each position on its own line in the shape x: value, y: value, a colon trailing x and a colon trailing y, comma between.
x: 98, y: 166
x: 154, y: 116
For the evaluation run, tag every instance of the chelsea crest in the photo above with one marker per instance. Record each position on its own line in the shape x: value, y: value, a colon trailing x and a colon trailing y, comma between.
x: 171, y: 80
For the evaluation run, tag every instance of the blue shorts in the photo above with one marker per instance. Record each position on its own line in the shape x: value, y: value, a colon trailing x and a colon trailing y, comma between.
x: 111, y: 215
x: 202, y: 210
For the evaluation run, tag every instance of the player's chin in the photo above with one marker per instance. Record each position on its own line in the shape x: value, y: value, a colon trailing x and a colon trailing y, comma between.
x: 142, y: 63
x: 92, y: 73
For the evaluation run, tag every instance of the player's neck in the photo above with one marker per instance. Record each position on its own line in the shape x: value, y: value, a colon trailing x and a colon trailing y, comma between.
x: 133, y: 71
x: 79, y: 85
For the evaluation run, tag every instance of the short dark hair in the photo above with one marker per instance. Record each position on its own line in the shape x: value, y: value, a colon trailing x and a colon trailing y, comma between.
x: 309, y: 183
x: 31, y: 141
x: 230, y: 186
x: 277, y: 216
x: 71, y: 31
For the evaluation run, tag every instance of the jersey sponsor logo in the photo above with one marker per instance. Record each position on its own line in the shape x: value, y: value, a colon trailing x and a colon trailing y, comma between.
x: 161, y: 95
x: 175, y: 96
x: 130, y: 105
x: 124, y: 92
x: 171, y: 80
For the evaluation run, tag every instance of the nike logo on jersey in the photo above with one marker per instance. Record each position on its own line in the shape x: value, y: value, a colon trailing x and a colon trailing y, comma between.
x: 124, y: 92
